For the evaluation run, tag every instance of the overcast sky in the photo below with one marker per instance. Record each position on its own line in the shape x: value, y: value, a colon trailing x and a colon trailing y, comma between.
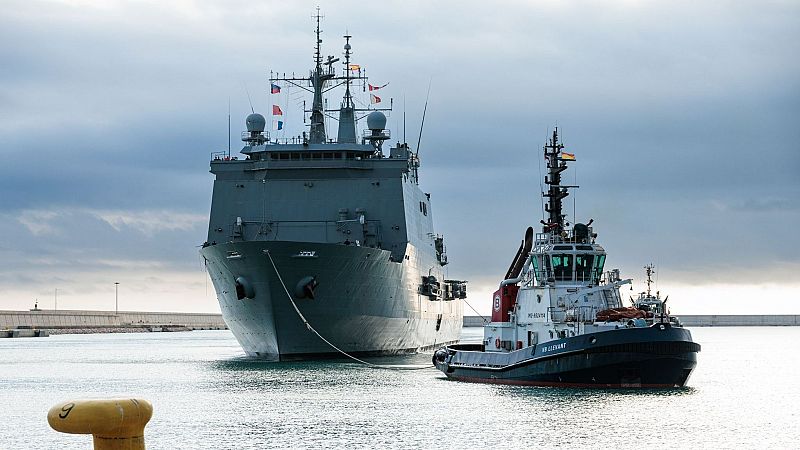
x: 684, y: 118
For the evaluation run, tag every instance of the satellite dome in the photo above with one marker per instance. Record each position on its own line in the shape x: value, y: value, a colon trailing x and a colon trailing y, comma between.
x: 256, y: 123
x: 376, y: 120
x: 347, y: 46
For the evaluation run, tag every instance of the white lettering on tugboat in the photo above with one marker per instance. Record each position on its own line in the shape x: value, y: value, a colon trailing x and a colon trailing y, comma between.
x: 538, y: 315
x: 550, y: 348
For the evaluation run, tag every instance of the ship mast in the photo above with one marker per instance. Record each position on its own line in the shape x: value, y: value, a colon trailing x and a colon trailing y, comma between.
x: 323, y: 73
x: 556, y: 192
x: 318, y: 78
x: 649, y: 270
x: 347, y: 119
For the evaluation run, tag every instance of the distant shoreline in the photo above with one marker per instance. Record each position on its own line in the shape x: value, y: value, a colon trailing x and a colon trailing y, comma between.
x: 89, y: 322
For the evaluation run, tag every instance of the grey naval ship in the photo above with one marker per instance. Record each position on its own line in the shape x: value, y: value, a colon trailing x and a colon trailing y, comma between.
x: 558, y: 319
x: 334, y: 229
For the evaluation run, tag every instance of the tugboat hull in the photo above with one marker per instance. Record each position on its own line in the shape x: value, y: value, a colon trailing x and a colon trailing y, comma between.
x: 635, y: 357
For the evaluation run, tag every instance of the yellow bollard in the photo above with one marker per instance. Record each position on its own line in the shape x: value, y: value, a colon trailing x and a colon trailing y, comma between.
x: 115, y: 424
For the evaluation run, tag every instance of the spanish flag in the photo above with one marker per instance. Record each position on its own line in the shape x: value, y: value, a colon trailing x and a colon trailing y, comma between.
x: 355, y: 67
x: 567, y: 156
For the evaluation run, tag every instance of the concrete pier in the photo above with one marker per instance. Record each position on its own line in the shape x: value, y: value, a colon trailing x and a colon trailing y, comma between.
x: 65, y: 321
x: 750, y: 320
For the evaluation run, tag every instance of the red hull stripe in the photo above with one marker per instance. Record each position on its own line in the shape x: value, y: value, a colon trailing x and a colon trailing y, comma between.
x: 558, y: 384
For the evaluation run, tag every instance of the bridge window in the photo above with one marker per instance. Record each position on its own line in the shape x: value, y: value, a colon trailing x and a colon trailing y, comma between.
x: 536, y: 272
x: 583, y: 267
x: 598, y: 267
x: 548, y: 273
x: 562, y: 267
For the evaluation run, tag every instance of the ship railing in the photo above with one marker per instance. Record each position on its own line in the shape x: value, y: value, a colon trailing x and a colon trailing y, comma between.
x: 223, y: 156
x: 581, y: 314
x: 546, y: 238
x: 382, y: 134
x: 367, y: 234
x: 262, y: 136
x: 611, y: 276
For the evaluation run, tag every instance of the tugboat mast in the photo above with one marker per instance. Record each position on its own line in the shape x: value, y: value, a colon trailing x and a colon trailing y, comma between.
x: 556, y: 193
x: 649, y: 270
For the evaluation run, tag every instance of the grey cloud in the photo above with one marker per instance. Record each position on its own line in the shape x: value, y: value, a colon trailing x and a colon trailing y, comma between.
x: 682, y: 116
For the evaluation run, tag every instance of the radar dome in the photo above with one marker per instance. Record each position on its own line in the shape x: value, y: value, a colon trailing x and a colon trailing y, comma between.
x: 256, y: 122
x: 376, y: 120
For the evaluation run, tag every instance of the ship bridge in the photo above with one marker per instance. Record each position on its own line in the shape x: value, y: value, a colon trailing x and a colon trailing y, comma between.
x: 569, y: 264
x: 314, y: 188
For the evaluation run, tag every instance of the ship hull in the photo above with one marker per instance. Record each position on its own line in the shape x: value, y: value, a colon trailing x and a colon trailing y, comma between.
x: 364, y: 303
x: 636, y: 357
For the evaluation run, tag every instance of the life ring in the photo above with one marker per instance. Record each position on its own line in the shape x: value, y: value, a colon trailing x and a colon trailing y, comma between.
x: 497, y: 343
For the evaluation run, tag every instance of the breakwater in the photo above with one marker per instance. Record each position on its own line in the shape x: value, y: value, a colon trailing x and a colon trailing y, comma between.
x: 708, y: 320
x: 78, y: 321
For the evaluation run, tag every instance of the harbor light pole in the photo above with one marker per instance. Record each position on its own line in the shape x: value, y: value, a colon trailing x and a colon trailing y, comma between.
x: 116, y: 298
x: 55, y: 300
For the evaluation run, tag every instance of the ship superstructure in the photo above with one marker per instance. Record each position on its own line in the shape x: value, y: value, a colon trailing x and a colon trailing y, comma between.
x: 346, y: 224
x: 650, y: 303
x: 558, y: 318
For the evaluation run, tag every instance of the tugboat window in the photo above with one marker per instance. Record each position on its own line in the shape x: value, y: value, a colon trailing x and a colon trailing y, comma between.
x: 562, y: 267
x: 547, y: 271
x: 598, y: 267
x: 583, y: 267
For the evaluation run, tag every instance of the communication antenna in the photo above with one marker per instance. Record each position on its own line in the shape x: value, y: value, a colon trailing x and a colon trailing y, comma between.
x: 424, y: 110
x: 574, y: 195
x: 248, y: 99
x: 404, y: 118
x: 229, y: 127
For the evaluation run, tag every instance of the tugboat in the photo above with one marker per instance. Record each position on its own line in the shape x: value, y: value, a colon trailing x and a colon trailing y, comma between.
x: 558, y: 319
x: 652, y: 305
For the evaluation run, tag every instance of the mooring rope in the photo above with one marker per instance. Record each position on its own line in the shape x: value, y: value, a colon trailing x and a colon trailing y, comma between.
x: 310, y: 328
x: 476, y: 312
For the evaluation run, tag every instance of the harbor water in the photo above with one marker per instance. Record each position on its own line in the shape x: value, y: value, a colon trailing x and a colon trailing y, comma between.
x: 206, y: 394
